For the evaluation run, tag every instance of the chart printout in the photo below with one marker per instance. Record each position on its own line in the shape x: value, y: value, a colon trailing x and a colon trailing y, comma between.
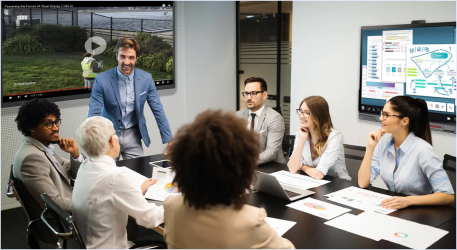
x: 361, y: 199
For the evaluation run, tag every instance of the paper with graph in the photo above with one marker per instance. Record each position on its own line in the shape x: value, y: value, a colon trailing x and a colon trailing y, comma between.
x: 361, y: 199
x: 164, y: 186
x: 318, y: 208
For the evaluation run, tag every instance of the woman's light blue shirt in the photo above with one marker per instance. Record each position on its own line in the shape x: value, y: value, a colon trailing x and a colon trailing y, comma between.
x: 420, y: 171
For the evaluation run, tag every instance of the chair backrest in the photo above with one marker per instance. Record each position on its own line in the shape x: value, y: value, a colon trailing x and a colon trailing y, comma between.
x: 63, y: 227
x: 449, y: 162
x: 36, y: 237
x: 353, y: 156
x: 288, y: 145
x: 31, y: 207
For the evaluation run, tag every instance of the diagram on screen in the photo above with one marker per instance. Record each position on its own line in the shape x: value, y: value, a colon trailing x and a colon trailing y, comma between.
x: 431, y: 70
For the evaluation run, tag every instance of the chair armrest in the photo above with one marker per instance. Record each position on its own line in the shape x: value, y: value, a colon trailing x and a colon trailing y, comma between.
x: 10, y: 189
x: 58, y: 234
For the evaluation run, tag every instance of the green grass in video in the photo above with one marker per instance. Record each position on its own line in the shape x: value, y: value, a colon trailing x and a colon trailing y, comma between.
x: 48, y: 57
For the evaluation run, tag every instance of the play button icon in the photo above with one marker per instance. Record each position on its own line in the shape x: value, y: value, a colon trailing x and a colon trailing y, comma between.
x: 97, y: 41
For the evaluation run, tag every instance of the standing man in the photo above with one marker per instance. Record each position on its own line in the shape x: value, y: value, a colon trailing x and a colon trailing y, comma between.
x: 264, y: 120
x: 119, y: 94
x: 36, y: 163
x: 90, y: 69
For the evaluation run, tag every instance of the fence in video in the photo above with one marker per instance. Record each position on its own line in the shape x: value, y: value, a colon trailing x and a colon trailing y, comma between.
x: 109, y: 25
x: 43, y: 49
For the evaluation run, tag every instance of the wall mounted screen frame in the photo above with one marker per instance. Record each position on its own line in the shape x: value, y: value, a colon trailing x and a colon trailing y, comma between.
x: 116, y: 19
x: 428, y: 38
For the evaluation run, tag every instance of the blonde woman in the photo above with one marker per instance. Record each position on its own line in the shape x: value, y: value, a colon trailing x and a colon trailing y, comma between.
x: 318, y: 149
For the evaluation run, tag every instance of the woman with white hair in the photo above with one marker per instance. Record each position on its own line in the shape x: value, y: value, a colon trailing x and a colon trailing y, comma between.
x: 104, y: 195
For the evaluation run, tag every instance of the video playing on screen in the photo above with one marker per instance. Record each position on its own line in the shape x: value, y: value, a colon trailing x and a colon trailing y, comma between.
x: 53, y: 49
x: 414, y: 60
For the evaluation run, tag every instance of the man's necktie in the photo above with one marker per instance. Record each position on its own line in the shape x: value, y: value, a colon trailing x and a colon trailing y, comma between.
x: 252, y: 120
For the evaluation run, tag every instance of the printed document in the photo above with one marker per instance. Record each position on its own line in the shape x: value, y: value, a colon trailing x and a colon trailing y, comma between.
x: 297, y: 180
x: 318, y: 208
x: 280, y: 226
x: 361, y: 199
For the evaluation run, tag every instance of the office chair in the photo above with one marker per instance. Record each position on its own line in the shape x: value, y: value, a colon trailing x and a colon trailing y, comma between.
x: 64, y: 227
x: 353, y: 157
x: 288, y: 145
x: 36, y: 236
x: 67, y: 232
x: 449, y: 162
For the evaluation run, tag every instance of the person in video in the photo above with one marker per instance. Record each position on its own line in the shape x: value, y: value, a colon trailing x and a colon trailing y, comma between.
x: 36, y: 163
x: 318, y: 149
x: 119, y: 94
x: 402, y: 153
x: 104, y: 194
x: 214, y: 159
x: 91, y: 68
x: 264, y: 120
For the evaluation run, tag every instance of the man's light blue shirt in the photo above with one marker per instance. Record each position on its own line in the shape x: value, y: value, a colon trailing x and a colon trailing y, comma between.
x: 127, y: 91
x: 419, y: 172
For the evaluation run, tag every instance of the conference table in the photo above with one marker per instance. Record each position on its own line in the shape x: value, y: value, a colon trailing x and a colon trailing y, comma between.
x: 310, y: 231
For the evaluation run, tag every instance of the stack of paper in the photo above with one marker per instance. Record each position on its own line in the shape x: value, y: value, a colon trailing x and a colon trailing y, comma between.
x: 297, y: 180
x: 361, y: 199
x: 379, y: 226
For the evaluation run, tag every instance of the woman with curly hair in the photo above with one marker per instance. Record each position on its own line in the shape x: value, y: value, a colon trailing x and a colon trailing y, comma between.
x: 214, y: 159
x: 318, y: 149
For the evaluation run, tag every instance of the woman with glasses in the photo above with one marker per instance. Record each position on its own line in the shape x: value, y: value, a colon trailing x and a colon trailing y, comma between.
x: 402, y: 153
x: 318, y: 149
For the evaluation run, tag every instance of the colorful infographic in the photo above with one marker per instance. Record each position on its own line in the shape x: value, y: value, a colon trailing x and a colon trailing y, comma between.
x: 318, y: 208
x: 361, y: 199
x: 170, y: 188
x: 312, y: 205
x: 431, y: 70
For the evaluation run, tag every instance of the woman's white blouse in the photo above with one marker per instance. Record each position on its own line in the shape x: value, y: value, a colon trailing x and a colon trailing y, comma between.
x: 332, y: 161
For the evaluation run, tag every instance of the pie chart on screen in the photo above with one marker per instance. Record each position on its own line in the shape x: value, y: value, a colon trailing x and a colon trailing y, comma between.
x: 315, y: 206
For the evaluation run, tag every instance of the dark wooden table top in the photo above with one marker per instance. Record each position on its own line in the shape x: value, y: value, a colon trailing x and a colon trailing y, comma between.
x: 311, y: 232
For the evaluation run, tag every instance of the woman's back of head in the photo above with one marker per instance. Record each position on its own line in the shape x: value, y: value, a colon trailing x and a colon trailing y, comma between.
x: 214, y: 159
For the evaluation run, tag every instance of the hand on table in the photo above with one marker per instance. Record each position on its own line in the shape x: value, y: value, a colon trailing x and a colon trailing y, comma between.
x: 396, y: 202
x: 147, y: 183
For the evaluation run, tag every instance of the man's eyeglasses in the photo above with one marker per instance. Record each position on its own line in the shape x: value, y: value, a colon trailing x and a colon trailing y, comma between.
x: 49, y: 125
x: 386, y: 115
x: 305, y: 114
x: 253, y: 93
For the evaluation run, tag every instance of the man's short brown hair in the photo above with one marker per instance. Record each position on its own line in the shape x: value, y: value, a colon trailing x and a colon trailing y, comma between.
x: 127, y: 43
x: 214, y: 159
x: 263, y: 83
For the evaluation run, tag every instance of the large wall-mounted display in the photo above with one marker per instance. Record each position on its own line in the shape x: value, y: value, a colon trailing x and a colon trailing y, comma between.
x: 417, y: 60
x: 46, y: 45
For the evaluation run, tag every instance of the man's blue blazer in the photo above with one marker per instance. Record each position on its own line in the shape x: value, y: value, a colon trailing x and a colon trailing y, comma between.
x: 105, y: 100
